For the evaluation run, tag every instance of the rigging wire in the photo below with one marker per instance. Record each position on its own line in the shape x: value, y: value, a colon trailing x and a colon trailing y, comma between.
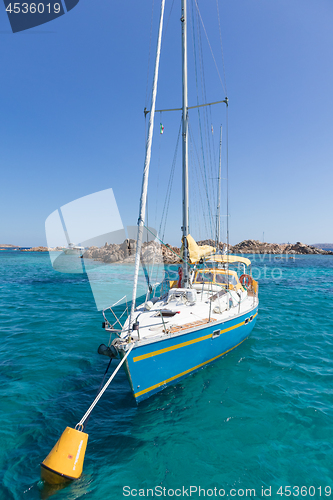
x: 198, y: 183
x: 208, y: 113
x: 218, y: 208
x: 165, y: 211
x: 202, y: 171
x: 159, y: 153
x: 158, y: 171
x: 218, y: 17
x: 167, y: 24
x: 199, y: 117
x: 150, y: 36
x: 212, y: 136
x: 205, y: 114
x: 163, y: 37
x: 161, y: 231
x: 211, y: 50
x: 152, y: 273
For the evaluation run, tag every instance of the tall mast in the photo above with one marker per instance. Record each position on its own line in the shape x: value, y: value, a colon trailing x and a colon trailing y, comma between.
x: 185, y: 227
x: 143, y: 199
x: 218, y: 211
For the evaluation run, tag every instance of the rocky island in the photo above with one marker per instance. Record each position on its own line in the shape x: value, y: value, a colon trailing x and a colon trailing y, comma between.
x: 125, y: 252
x: 153, y: 251
x: 35, y: 249
x: 171, y: 255
x: 259, y: 247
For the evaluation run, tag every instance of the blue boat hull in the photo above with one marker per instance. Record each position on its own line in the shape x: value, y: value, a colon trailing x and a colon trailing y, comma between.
x: 154, y: 366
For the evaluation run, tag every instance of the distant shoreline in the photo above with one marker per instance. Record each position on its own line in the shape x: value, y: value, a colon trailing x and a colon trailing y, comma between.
x: 13, y: 247
x: 125, y: 252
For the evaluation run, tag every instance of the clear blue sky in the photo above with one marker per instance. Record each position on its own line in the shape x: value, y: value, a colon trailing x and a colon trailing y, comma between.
x: 72, y: 99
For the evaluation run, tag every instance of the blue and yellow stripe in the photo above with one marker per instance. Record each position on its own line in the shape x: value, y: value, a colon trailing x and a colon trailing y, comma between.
x: 189, y: 342
x: 186, y: 372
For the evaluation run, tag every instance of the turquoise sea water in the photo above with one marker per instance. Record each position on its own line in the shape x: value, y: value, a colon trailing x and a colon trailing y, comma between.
x: 262, y: 416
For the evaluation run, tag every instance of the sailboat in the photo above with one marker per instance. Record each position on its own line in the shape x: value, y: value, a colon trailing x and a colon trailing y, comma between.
x: 191, y: 322
x: 209, y: 311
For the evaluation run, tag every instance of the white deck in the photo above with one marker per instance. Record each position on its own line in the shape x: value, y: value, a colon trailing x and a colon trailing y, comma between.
x: 193, y: 310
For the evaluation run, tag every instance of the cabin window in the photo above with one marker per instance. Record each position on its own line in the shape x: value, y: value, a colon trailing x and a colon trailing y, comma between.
x: 204, y: 277
x: 221, y: 279
x: 208, y: 277
x: 224, y: 279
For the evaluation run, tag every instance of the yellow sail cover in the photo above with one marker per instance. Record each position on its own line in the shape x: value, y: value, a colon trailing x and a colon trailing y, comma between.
x: 197, y: 252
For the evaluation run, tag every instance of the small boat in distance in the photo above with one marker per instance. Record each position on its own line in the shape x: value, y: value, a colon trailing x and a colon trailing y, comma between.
x: 73, y: 249
x: 196, y: 320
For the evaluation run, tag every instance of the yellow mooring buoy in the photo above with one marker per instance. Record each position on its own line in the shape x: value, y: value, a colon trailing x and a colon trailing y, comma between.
x: 65, y: 460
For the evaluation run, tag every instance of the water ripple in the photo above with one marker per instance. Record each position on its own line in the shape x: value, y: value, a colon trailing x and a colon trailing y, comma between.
x: 261, y: 416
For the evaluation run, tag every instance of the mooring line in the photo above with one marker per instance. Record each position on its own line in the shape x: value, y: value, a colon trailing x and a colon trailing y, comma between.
x: 79, y: 425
